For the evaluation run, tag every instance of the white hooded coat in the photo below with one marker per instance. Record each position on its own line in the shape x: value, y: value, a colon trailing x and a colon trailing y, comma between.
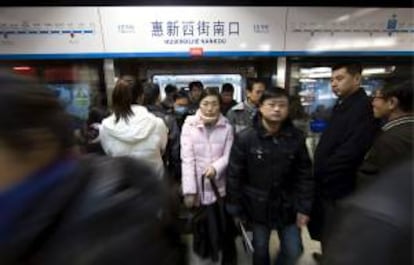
x: 144, y: 137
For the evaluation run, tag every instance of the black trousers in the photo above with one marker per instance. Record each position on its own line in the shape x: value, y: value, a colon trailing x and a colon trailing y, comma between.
x: 322, y: 219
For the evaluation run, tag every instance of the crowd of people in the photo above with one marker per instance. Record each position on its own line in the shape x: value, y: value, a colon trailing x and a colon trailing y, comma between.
x: 229, y: 164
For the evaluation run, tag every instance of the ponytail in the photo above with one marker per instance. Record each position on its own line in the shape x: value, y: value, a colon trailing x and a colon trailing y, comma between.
x: 123, y: 96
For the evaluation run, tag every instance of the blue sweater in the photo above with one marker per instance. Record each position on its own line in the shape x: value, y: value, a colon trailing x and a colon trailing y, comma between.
x: 17, y: 200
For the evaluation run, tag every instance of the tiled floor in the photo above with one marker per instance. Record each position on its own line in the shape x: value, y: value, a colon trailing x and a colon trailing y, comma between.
x: 244, y: 259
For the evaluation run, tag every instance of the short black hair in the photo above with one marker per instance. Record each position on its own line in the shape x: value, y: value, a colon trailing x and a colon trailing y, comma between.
x: 169, y: 89
x: 96, y: 115
x: 195, y: 84
x: 26, y: 104
x: 402, y: 90
x: 274, y: 92
x: 227, y: 87
x: 252, y: 81
x: 151, y: 93
x: 352, y: 68
x: 181, y: 94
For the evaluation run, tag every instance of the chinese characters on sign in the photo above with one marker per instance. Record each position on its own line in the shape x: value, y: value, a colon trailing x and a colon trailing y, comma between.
x: 194, y: 32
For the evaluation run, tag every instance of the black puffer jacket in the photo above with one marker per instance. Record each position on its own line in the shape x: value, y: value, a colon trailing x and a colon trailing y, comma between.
x: 109, y: 211
x: 172, y: 153
x: 269, y: 178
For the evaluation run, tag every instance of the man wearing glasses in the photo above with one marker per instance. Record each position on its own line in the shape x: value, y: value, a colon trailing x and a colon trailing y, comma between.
x: 269, y: 180
x: 394, y: 105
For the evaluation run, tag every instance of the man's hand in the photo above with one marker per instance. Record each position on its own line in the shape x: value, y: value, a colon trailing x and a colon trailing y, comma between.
x: 301, y: 220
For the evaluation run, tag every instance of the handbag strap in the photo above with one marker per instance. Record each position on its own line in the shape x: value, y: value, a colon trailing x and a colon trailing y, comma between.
x: 213, y: 186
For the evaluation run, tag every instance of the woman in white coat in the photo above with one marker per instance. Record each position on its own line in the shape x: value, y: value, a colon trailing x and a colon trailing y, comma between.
x: 133, y: 131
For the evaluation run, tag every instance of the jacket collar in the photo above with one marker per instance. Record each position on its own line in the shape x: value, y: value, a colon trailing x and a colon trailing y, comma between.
x: 154, y: 108
x: 245, y: 105
x: 399, y: 121
x: 347, y: 102
x: 285, y: 129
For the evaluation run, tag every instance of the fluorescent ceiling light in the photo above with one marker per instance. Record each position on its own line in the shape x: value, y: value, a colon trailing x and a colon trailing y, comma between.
x: 307, y: 80
x: 22, y: 68
x: 320, y: 75
x: 378, y: 70
x: 315, y: 70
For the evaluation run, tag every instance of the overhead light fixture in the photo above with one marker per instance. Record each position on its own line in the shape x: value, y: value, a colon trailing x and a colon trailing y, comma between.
x: 320, y: 75
x: 315, y: 70
x: 307, y: 80
x: 22, y: 68
x: 378, y: 70
x: 373, y: 71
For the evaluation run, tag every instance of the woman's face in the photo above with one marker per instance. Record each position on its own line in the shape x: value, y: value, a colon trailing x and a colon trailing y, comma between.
x: 210, y: 106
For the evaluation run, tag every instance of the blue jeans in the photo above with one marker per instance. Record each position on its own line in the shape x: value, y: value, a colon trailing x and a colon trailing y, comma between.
x: 290, y: 245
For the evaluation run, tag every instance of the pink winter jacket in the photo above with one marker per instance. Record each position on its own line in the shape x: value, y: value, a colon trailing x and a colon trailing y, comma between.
x: 199, y: 151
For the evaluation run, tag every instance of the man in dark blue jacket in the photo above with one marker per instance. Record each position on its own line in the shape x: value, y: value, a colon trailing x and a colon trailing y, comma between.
x: 342, y: 146
x: 269, y: 180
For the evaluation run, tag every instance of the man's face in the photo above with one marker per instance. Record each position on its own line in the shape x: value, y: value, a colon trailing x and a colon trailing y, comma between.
x: 256, y: 93
x: 226, y: 97
x: 343, y: 83
x: 275, y: 109
x: 380, y: 106
x: 195, y: 93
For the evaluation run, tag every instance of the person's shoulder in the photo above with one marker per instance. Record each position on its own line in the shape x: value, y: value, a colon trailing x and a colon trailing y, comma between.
x: 191, y: 120
x: 247, y: 133
x: 238, y: 107
x: 362, y: 99
x: 108, y: 174
x: 296, y: 132
x: 119, y: 186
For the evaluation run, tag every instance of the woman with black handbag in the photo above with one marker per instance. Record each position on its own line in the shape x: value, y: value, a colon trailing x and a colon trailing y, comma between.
x: 206, y: 141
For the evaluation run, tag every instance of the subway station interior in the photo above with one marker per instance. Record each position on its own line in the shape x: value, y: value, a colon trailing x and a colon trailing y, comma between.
x: 83, y: 50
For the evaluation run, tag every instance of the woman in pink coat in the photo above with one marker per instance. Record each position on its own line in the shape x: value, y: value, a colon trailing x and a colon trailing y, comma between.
x: 206, y: 140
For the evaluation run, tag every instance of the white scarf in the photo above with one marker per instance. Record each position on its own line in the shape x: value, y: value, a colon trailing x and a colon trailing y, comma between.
x: 208, y: 120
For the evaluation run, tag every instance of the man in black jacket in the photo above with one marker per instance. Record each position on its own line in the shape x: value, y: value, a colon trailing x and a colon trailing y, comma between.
x: 171, y: 157
x: 269, y: 180
x: 342, y: 146
x: 393, y: 104
x: 227, y: 101
x: 58, y: 209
